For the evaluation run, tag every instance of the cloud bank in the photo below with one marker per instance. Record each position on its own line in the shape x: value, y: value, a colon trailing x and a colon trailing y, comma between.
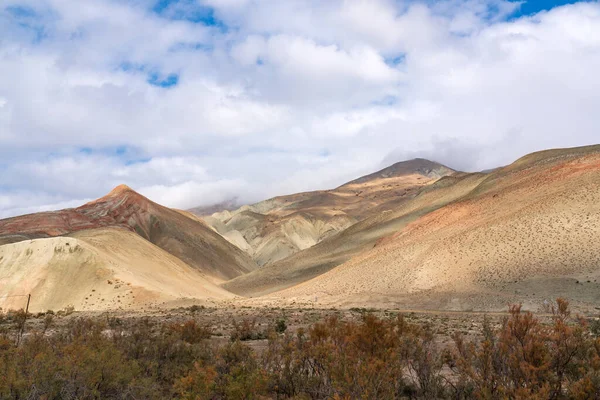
x: 195, y: 101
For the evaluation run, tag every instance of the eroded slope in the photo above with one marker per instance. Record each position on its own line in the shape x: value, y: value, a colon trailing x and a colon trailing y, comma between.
x: 358, y: 238
x: 277, y: 228
x: 527, y: 233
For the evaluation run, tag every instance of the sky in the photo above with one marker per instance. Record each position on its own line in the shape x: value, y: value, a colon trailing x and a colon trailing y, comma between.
x: 192, y: 102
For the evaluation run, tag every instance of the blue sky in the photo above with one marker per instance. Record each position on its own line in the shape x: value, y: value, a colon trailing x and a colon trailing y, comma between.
x: 535, y: 6
x: 201, y: 13
x: 188, y: 11
x: 195, y: 101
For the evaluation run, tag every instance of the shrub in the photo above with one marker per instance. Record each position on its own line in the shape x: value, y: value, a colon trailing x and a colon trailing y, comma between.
x: 199, y: 383
x: 353, y: 360
x: 246, y: 330
x: 195, y: 308
x: 280, y: 326
x: 191, y: 332
x: 69, y: 367
x: 240, y: 376
x: 526, y: 359
x: 373, y: 358
x: 595, y: 326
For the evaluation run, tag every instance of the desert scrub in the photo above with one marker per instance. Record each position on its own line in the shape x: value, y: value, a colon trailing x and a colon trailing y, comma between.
x: 366, y: 357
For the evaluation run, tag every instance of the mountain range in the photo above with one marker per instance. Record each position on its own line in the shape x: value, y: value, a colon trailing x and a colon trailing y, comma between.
x: 415, y: 235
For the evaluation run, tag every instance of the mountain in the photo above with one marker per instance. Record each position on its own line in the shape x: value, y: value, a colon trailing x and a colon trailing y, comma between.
x: 528, y: 232
x: 360, y: 237
x: 418, y: 166
x: 275, y: 229
x: 415, y: 235
x: 151, y: 253
x: 178, y: 234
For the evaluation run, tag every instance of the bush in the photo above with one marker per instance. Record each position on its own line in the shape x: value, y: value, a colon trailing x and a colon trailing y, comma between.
x: 595, y: 326
x: 69, y: 367
x: 191, y: 332
x: 199, y: 383
x: 353, y: 360
x: 246, y: 330
x: 240, y: 376
x: 526, y: 359
x: 373, y: 358
x: 280, y: 326
x: 195, y: 308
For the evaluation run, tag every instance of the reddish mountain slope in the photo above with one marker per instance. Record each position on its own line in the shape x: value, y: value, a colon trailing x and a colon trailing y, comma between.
x: 186, y: 238
x: 527, y: 233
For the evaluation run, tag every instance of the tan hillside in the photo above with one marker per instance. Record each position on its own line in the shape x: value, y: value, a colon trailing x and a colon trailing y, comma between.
x: 528, y: 232
x: 107, y: 268
x: 277, y: 228
x: 179, y: 233
x: 358, y: 238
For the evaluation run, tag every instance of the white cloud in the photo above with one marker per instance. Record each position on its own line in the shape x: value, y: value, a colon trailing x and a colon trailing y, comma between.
x: 190, y: 194
x: 282, y: 96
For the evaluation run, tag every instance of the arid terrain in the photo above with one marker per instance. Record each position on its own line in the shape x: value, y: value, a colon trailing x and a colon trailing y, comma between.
x: 414, y: 236
x: 120, y: 251
x: 274, y: 229
x: 525, y: 233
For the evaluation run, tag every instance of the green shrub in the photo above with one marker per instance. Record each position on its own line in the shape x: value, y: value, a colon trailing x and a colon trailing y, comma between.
x: 280, y: 326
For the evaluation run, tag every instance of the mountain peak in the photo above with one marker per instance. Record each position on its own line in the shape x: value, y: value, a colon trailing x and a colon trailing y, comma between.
x: 417, y: 162
x: 421, y: 166
x: 118, y: 193
x: 120, y: 189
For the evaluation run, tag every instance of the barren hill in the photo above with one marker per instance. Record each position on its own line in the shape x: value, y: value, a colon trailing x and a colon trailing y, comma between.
x: 106, y: 268
x: 527, y: 232
x: 277, y: 228
x: 351, y: 242
x: 183, y: 236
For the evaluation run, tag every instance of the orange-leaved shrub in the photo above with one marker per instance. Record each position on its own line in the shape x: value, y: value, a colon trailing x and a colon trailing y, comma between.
x: 371, y: 359
x: 523, y: 357
x: 526, y: 359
